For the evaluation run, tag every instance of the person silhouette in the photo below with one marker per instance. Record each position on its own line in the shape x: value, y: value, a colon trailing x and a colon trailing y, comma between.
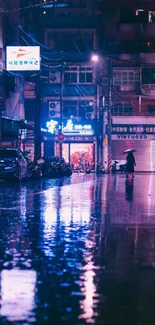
x: 130, y: 164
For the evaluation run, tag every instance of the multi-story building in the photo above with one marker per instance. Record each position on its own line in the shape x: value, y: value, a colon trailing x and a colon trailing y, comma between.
x: 67, y: 35
x: 11, y: 92
x: 128, y: 40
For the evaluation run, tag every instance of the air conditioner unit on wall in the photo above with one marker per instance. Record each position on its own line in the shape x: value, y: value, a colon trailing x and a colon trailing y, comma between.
x: 54, y: 109
x: 54, y: 77
x: 90, y: 116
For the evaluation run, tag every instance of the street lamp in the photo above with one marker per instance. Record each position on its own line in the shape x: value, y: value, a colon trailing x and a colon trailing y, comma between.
x: 95, y: 58
x: 105, y: 115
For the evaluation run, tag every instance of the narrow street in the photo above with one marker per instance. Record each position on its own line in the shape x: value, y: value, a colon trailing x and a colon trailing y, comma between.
x: 78, y: 251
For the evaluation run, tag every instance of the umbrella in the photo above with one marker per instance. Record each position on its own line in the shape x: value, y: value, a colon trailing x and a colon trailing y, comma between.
x: 128, y: 150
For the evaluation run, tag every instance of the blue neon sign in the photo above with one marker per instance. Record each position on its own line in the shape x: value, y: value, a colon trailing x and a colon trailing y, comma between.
x: 70, y: 128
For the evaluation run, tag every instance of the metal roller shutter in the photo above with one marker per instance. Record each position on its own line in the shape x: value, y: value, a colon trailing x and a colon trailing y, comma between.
x: 145, y: 153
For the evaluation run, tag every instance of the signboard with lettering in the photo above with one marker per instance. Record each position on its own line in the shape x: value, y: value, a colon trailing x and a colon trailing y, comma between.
x: 23, y: 58
x: 70, y: 129
x: 133, y: 132
x: 133, y: 137
x: 133, y: 129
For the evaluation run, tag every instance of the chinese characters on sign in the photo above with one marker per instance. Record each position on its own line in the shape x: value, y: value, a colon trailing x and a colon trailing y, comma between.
x: 23, y: 63
x: 70, y: 128
x: 133, y: 129
x: 23, y: 58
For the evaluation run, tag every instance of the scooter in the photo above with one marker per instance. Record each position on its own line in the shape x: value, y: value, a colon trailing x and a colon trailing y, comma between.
x: 114, y: 167
x: 121, y: 169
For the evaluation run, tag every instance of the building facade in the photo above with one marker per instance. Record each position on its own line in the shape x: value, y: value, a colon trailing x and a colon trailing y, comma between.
x: 67, y: 35
x: 129, y: 32
x: 11, y: 87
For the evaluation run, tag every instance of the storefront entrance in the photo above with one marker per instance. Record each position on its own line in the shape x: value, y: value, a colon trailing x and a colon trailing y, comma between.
x: 78, y: 154
x: 144, y: 155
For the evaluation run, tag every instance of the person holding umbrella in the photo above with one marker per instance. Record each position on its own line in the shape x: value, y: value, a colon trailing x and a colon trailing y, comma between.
x: 130, y: 162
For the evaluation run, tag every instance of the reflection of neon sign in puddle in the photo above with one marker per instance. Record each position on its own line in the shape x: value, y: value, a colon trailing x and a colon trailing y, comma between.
x: 17, y: 294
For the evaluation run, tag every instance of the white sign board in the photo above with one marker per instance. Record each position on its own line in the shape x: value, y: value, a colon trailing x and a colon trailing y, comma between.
x: 23, y: 58
x: 133, y: 137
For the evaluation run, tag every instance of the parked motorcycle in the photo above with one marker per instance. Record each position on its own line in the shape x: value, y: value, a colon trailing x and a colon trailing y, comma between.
x: 121, y: 169
x: 55, y: 168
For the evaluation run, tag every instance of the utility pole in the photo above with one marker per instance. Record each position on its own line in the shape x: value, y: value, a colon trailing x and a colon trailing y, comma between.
x: 37, y: 121
x: 61, y: 107
x: 106, y: 119
x: 109, y: 116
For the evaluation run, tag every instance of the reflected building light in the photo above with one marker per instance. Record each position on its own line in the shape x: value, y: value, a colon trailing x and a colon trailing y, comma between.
x: 49, y: 219
x: 50, y: 212
x: 81, y: 215
x: 66, y: 209
x: 104, y: 196
x: 89, y: 292
x: 151, y: 198
x: 77, y: 215
x: 152, y: 156
x: 50, y: 216
x: 86, y: 212
x: 66, y: 215
x: 23, y: 203
x: 77, y: 211
x: 18, y: 295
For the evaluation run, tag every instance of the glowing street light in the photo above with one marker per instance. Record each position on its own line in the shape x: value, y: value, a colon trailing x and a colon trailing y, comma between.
x: 95, y: 58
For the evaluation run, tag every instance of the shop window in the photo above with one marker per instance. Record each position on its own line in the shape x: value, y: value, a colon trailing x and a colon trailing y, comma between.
x: 70, y: 76
x: 78, y: 75
x: 151, y: 109
x: 85, y: 75
x: 80, y: 154
x: 126, y: 77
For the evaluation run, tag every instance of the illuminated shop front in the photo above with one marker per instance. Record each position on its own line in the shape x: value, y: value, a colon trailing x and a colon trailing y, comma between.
x: 79, y: 145
x: 140, y: 137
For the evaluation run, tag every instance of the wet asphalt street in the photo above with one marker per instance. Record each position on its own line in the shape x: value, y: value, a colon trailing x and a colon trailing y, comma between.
x: 78, y: 251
